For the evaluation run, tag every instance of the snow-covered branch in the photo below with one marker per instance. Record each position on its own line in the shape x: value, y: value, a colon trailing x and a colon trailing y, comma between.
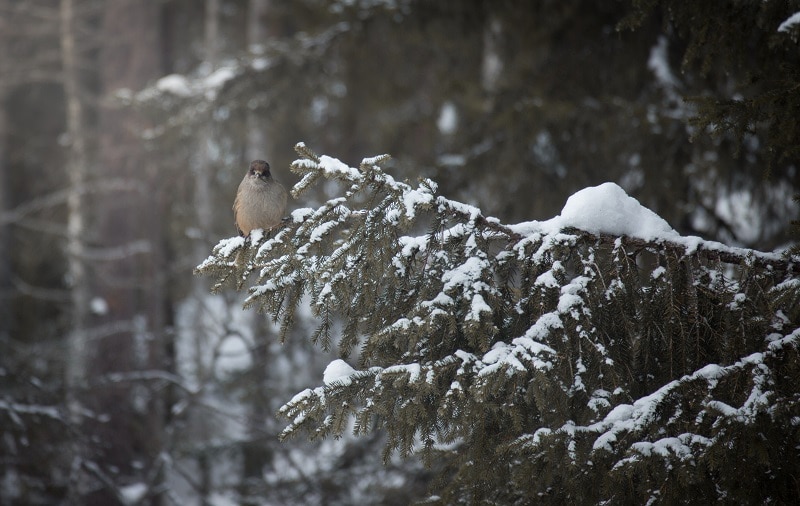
x: 601, y: 334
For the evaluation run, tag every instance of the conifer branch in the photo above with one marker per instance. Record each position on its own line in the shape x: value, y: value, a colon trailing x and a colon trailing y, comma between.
x: 552, y: 343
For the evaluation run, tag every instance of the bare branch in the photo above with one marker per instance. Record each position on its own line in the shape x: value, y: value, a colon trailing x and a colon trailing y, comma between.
x: 60, y: 197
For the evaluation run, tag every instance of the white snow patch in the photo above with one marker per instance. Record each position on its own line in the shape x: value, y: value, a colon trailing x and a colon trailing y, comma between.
x: 607, y: 209
x: 448, y: 118
x: 412, y: 370
x: 260, y: 64
x: 604, y: 209
x: 460, y: 207
x: 452, y: 160
x: 212, y: 336
x: 302, y: 214
x: 333, y: 166
x: 658, y: 272
x: 411, y: 244
x: 226, y: 247
x: 478, y: 306
x: 133, y: 493
x: 546, y: 279
x: 663, y: 447
x: 233, y: 356
x: 321, y: 231
x: 415, y: 198
x: 338, y: 372
x: 175, y: 84
x: 541, y: 329
x: 790, y: 23
x: 216, y: 80
x: 659, y: 64
x: 298, y: 397
x: 222, y: 499
x: 466, y: 274
x: 98, y: 306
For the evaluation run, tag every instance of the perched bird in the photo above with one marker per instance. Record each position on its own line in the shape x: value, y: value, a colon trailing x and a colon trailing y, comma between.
x: 260, y: 201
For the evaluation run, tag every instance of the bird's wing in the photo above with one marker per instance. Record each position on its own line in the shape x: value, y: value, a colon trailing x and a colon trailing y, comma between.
x: 235, y: 215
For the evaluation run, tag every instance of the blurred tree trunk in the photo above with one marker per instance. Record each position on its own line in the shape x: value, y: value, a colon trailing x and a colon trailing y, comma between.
x: 257, y: 34
x: 5, y: 233
x: 77, y: 170
x: 129, y: 263
x: 203, y: 205
x: 256, y: 452
x: 202, y: 166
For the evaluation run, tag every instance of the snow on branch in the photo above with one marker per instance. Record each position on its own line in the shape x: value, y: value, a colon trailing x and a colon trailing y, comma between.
x: 600, y: 334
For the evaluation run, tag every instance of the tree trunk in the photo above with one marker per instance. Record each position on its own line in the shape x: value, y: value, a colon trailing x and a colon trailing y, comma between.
x: 201, y: 166
x: 5, y: 235
x: 77, y: 169
x: 257, y: 34
x: 131, y: 224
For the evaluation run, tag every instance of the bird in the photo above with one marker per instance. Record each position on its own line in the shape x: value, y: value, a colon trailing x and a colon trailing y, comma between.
x: 260, y: 201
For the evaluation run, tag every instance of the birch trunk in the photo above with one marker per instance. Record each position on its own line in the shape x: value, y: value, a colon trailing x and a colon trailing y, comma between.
x: 77, y: 169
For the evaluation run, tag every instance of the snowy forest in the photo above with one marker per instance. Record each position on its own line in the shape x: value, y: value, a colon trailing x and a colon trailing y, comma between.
x: 535, y: 252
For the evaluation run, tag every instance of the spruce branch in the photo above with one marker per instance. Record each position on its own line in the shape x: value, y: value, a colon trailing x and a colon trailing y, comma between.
x: 550, y: 343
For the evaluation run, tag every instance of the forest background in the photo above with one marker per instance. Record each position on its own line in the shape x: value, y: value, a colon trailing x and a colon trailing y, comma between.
x: 125, y: 127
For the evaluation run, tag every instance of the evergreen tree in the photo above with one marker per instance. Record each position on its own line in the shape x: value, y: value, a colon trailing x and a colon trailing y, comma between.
x: 598, y: 357
x: 742, y: 61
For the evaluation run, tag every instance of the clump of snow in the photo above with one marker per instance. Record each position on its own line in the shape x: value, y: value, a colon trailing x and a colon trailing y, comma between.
x: 608, y: 209
x: 133, y: 493
x: 175, y: 84
x: 603, y: 209
x: 416, y: 198
x: 658, y: 272
x: 260, y: 64
x: 226, y: 247
x: 501, y: 355
x: 98, y: 306
x: 790, y: 23
x: 213, y: 82
x: 658, y: 63
x: 338, y: 372
x: 332, y: 166
x: 478, y: 307
x: 233, y: 356
x: 302, y: 214
x: 448, y: 118
x: 207, y: 85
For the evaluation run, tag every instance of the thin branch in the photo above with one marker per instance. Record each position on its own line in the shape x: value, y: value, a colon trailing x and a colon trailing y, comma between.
x: 60, y: 197
x: 41, y: 293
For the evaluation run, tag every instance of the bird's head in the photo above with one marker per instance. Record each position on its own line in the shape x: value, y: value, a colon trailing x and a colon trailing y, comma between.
x: 259, y: 169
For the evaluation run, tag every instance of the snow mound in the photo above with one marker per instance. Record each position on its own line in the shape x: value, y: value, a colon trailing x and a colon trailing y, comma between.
x: 338, y: 372
x: 607, y: 209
